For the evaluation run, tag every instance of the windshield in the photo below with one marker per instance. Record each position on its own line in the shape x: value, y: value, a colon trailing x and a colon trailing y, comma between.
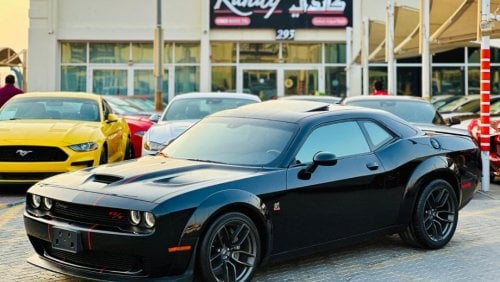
x: 198, y: 108
x: 453, y: 106
x: 238, y: 141
x: 51, y: 108
x: 411, y: 111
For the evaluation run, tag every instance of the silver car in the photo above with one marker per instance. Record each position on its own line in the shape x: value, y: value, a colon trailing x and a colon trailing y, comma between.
x: 185, y: 110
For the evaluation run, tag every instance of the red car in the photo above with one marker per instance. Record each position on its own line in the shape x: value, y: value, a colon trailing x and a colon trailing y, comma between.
x: 473, y: 129
x: 138, y: 121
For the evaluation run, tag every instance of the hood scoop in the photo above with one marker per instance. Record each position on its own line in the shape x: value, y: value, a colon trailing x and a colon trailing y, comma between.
x: 106, y: 179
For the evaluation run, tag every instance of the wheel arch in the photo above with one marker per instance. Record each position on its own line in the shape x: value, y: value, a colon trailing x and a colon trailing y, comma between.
x: 431, y: 169
x: 217, y: 204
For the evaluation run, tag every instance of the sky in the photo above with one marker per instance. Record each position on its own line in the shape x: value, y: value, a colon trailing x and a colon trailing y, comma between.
x: 13, y: 28
x: 14, y: 24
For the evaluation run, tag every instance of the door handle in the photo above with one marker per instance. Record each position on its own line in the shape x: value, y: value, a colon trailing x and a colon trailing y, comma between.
x: 372, y: 165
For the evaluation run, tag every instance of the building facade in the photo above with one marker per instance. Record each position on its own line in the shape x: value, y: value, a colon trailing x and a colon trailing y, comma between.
x: 270, y: 48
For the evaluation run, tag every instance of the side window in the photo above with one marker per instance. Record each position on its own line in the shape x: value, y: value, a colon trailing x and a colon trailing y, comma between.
x: 341, y: 139
x: 378, y: 135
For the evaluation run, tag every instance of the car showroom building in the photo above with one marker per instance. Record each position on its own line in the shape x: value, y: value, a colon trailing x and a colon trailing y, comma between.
x: 266, y: 47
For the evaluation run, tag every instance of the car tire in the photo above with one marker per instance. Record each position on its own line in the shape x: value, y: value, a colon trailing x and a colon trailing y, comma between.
x: 230, y: 249
x: 435, y: 217
x: 103, y: 159
x: 129, y: 150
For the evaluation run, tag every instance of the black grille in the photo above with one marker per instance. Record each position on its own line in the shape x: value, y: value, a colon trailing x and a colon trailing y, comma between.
x: 31, y: 154
x: 99, y: 260
x: 26, y: 176
x: 91, y: 214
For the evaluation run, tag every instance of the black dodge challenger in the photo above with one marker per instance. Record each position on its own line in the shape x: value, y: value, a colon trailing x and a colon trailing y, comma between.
x: 247, y: 186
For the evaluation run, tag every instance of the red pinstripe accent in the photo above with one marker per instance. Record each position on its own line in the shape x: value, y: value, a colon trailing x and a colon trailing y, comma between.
x: 48, y: 232
x: 89, y: 239
x: 97, y: 200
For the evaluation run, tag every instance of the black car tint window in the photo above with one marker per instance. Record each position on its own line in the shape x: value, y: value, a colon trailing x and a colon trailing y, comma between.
x: 341, y: 139
x: 377, y: 134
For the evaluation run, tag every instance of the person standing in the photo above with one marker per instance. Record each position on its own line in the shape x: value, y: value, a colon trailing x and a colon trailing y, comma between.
x: 9, y: 90
x: 378, y: 88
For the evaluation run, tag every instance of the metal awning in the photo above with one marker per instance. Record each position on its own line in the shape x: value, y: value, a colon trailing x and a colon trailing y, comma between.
x: 405, y: 21
x: 9, y: 58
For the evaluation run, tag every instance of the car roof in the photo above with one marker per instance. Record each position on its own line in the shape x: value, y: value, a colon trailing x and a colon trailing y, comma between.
x: 57, y: 94
x: 289, y: 110
x: 384, y: 97
x: 229, y: 95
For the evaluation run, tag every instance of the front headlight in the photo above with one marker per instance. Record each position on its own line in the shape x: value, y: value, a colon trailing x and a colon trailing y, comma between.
x: 153, y: 146
x: 36, y: 200
x: 47, y: 203
x: 84, y: 147
x: 135, y: 217
x: 149, y: 220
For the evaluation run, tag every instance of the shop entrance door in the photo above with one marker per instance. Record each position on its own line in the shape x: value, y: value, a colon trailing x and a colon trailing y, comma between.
x: 300, y: 82
x: 260, y: 82
x: 272, y: 82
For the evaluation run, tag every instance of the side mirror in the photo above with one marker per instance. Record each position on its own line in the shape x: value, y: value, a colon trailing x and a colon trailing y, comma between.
x: 320, y: 158
x: 111, y: 118
x: 154, y: 118
x: 453, y: 120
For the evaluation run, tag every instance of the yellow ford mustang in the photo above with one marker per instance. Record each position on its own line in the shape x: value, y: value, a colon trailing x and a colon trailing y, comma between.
x: 45, y: 133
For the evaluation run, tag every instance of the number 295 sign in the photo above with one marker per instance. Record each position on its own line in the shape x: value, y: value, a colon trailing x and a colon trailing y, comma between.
x: 285, y: 34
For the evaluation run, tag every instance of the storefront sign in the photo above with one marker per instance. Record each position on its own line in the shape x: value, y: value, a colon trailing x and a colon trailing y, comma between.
x: 280, y: 14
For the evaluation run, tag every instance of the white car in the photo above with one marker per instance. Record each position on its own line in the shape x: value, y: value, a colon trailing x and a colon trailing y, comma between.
x: 185, y: 110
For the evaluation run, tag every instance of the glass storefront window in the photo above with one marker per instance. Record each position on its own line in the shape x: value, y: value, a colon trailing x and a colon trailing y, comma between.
x: 447, y: 80
x: 110, y: 82
x: 409, y: 81
x: 74, y: 78
x: 187, y: 79
x: 223, y: 52
x: 109, y: 53
x: 377, y: 73
x: 224, y: 79
x: 142, y: 53
x: 302, y: 53
x: 335, y: 79
x: 453, y: 56
x: 473, y: 54
x: 73, y: 52
x: 187, y: 52
x: 335, y: 53
x: 144, y: 83
x: 259, y: 52
x: 474, y: 80
x: 495, y: 79
x: 301, y: 82
x: 167, y: 53
x: 262, y: 83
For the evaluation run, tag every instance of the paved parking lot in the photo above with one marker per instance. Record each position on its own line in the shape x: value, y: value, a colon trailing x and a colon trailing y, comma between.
x: 472, y: 255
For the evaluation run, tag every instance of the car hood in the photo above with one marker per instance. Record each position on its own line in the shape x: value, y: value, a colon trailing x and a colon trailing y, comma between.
x: 162, y: 133
x: 50, y: 131
x: 150, y: 178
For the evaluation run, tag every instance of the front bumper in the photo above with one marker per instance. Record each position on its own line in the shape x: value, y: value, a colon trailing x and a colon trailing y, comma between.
x: 105, y: 254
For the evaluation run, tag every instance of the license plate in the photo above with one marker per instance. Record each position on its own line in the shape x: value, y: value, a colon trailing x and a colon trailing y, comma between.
x: 66, y: 240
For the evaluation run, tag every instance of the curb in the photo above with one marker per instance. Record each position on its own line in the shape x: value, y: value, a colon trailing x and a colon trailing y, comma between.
x: 11, y: 204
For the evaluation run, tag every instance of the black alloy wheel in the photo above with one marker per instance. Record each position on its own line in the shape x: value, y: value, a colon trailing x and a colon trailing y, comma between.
x: 435, y: 217
x: 230, y: 250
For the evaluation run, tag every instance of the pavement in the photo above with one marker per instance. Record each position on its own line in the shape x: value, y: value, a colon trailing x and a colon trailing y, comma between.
x: 472, y: 255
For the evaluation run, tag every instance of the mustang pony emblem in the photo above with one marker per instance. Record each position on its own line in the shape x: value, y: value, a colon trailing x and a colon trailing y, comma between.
x: 23, y: 153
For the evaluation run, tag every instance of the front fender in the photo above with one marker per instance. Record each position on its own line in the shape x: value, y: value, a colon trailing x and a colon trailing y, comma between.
x: 219, y: 203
